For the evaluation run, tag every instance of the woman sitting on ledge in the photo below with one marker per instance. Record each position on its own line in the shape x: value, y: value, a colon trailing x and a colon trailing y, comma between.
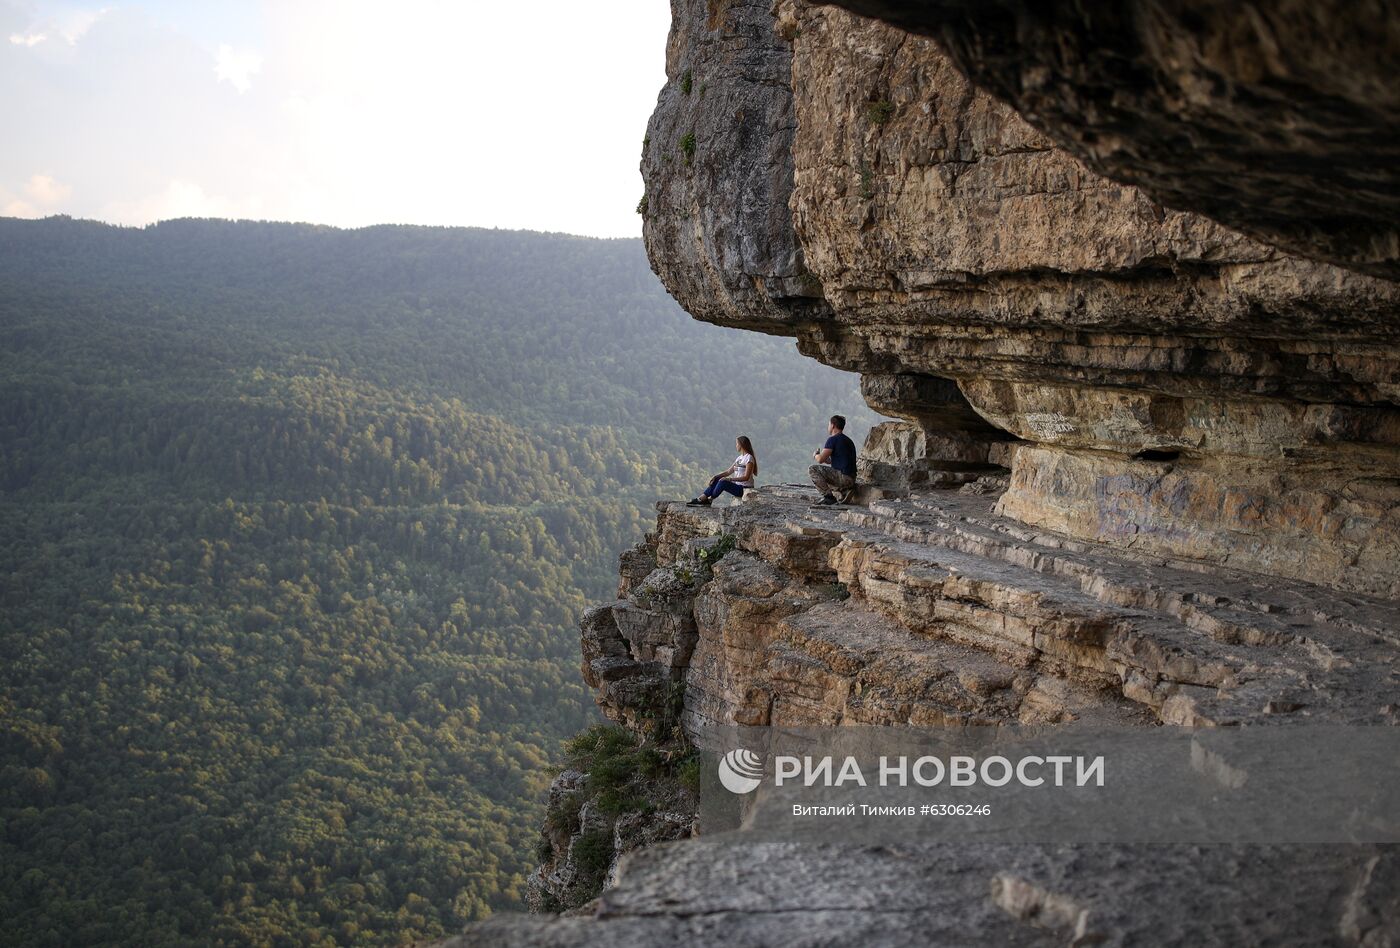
x: 737, y: 479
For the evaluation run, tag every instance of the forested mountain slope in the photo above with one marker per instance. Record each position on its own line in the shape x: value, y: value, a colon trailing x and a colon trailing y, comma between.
x: 295, y: 524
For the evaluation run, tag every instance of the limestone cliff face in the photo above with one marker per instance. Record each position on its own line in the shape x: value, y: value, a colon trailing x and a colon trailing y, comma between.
x: 1177, y: 384
x: 1280, y: 119
x: 934, y: 610
x: 718, y: 163
x: 1146, y: 472
x: 937, y: 610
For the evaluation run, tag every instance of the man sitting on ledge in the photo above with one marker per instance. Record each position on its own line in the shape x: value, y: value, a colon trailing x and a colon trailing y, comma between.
x: 835, y: 470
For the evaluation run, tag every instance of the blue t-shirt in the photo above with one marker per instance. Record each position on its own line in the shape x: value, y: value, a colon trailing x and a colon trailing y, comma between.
x: 843, y: 454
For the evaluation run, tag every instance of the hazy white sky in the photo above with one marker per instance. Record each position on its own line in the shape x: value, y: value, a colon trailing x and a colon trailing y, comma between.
x: 342, y: 112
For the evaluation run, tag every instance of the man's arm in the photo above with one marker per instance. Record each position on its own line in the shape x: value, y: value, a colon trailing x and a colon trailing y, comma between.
x: 822, y: 455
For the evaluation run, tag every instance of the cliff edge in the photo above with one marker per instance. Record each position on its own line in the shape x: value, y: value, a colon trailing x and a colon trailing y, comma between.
x: 1146, y: 470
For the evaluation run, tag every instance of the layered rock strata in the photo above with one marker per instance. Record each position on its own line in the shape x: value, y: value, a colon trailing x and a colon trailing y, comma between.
x: 933, y: 610
x: 914, y: 229
x: 1277, y: 119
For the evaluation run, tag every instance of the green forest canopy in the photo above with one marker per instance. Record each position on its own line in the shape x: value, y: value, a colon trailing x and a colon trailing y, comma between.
x: 295, y: 526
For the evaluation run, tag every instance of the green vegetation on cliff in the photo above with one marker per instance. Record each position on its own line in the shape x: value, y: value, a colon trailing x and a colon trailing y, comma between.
x: 295, y: 525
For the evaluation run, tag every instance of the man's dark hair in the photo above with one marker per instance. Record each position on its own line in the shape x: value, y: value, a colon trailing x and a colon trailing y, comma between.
x: 839, y: 421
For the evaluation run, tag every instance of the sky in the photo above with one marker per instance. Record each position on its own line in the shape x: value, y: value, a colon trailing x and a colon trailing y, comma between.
x: 341, y: 112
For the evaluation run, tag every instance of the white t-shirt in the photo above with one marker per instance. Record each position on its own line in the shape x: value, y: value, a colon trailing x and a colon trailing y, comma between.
x: 742, y: 464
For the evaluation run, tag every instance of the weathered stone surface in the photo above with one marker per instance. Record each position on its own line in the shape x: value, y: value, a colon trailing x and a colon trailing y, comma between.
x: 1371, y: 911
x: 585, y: 843
x: 919, y: 199
x: 718, y: 168
x: 1279, y: 120
x: 936, y: 609
x: 557, y: 883
x: 952, y: 243
x: 1126, y: 419
x: 1317, y: 521
x: 636, y: 648
x: 902, y: 456
x: 635, y: 565
x: 738, y: 617
x: 714, y: 892
x: 930, y: 402
x: 933, y: 610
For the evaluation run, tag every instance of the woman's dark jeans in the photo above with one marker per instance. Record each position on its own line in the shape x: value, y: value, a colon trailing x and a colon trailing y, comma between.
x: 724, y: 487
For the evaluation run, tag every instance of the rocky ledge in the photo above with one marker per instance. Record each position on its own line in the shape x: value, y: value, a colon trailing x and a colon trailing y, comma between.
x: 933, y: 609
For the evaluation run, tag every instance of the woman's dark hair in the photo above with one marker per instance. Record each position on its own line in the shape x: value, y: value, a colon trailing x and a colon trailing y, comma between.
x: 747, y: 445
x: 839, y: 421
